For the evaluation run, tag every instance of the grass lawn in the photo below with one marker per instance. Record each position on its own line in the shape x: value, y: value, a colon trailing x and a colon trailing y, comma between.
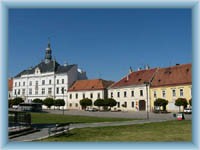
x: 163, y: 131
x: 46, y: 118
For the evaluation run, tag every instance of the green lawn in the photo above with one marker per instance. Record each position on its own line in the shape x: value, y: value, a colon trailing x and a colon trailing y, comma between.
x: 40, y: 118
x: 164, y: 131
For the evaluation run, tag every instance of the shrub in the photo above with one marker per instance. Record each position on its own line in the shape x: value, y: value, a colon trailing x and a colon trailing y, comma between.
x: 181, y: 102
x: 161, y: 102
x: 37, y: 100
x: 48, y: 102
x: 85, y: 102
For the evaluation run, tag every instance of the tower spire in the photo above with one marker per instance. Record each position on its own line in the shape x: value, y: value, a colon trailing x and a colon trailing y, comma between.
x: 48, y: 56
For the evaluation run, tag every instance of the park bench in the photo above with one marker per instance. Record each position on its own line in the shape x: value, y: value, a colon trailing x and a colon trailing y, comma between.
x: 59, y: 129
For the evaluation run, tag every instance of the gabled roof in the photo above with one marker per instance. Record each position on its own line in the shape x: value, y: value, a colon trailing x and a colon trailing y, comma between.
x: 174, y: 75
x: 10, y: 84
x: 95, y: 84
x: 52, y: 66
x: 135, y: 78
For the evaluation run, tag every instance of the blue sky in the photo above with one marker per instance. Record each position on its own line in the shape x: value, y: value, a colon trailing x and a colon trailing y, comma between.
x: 103, y: 42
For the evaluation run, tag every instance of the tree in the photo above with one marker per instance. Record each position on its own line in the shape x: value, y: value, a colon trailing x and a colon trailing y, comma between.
x: 85, y: 102
x: 110, y: 102
x: 190, y: 102
x: 99, y: 103
x: 59, y: 102
x: 48, y: 102
x: 37, y: 100
x: 17, y: 101
x: 181, y: 102
x: 161, y: 102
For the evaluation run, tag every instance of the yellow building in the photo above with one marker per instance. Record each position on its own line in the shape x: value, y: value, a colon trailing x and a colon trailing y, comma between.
x: 172, y: 83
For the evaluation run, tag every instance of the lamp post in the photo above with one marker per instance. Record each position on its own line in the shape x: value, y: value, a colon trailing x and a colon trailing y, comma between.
x: 146, y: 84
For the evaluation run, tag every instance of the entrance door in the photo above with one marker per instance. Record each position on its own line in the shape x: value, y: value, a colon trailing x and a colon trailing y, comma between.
x: 142, y: 105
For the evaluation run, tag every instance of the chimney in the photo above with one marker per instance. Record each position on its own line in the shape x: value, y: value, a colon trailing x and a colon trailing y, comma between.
x: 147, y: 67
x: 177, y: 64
x: 130, y: 70
x: 139, y: 69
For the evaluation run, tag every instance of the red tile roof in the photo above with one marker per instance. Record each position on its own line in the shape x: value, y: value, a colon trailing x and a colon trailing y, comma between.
x: 135, y: 78
x: 95, y: 84
x: 174, y: 75
x: 10, y: 84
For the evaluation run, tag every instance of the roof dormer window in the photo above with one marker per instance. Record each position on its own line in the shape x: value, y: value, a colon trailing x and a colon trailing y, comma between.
x: 37, y: 71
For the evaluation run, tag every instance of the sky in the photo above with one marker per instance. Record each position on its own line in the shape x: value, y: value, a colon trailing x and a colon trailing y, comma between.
x: 102, y: 42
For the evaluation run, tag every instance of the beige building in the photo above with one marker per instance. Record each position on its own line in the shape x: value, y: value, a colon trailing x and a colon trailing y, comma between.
x: 92, y: 89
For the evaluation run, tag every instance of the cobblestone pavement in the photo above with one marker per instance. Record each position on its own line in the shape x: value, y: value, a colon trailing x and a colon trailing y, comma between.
x: 43, y: 133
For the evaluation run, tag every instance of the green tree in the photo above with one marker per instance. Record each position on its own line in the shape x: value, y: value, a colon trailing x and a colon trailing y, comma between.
x: 37, y: 100
x: 85, y: 102
x: 110, y: 102
x: 17, y: 101
x: 48, y: 102
x: 10, y: 103
x: 59, y: 102
x: 99, y: 103
x: 161, y: 102
x: 181, y: 102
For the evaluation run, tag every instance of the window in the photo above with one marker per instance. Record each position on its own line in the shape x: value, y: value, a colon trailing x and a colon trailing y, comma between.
x: 173, y: 92
x: 141, y: 92
x: 18, y: 92
x: 125, y: 94
x: 125, y: 104
x: 57, y: 81
x: 132, y: 93
x: 23, y: 83
x: 19, y: 83
x: 181, y: 92
x: 23, y: 91
x: 43, y: 82
x: 43, y: 91
x: 98, y: 95
x: 63, y: 81
x: 49, y: 90
x: 30, y: 83
x: 36, y: 83
x: 15, y: 92
x: 154, y: 94
x: 70, y: 96
x: 83, y: 95
x: 70, y: 104
x: 15, y: 83
x: 111, y: 94
x: 30, y: 91
x: 62, y: 89
x: 163, y: 94
x: 57, y: 90
x: 76, y: 95
x: 118, y: 94
x: 91, y: 95
x: 49, y: 81
x: 132, y: 104
x: 76, y: 104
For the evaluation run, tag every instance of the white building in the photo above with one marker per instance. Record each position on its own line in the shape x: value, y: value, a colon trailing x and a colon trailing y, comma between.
x: 47, y: 79
x: 92, y: 89
x: 132, y: 91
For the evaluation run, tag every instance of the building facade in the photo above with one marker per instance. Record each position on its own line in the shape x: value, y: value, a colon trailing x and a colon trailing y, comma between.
x: 47, y: 79
x: 171, y: 83
x: 92, y: 89
x: 132, y: 91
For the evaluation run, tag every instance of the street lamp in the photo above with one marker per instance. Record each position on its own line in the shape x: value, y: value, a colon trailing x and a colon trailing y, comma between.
x: 146, y: 84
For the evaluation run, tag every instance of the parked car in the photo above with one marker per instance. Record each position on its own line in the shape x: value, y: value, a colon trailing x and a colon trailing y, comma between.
x: 91, y: 109
x: 188, y: 110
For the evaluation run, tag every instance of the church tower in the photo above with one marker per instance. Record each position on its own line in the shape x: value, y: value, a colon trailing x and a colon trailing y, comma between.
x: 48, y: 56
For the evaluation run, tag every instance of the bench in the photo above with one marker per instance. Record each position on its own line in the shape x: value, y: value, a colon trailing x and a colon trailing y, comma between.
x: 59, y: 129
